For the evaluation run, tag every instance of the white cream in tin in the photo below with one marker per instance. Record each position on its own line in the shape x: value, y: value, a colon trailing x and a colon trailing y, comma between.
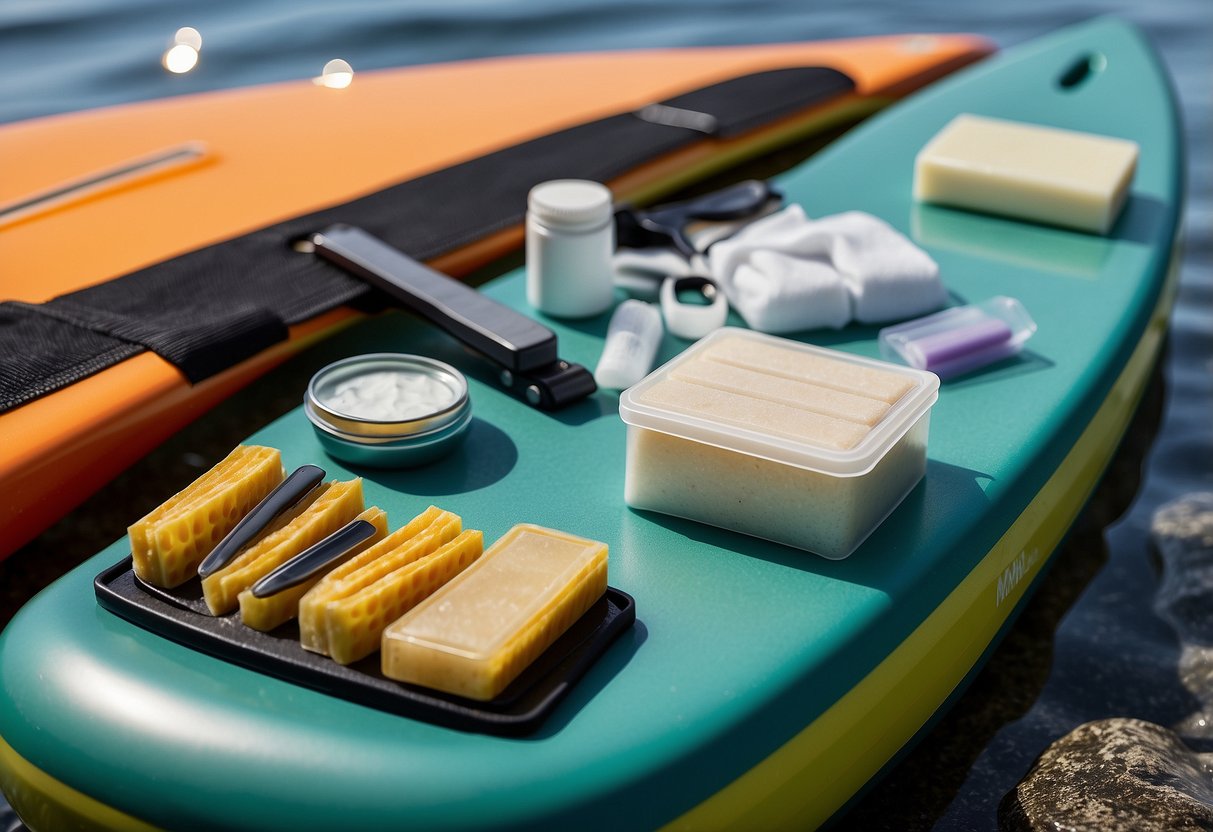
x: 389, y: 395
x: 388, y: 409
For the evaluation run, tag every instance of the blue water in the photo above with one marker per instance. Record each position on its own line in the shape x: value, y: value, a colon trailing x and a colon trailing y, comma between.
x: 63, y: 55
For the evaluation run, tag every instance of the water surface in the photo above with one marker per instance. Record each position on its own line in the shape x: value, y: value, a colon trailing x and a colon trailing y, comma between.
x: 1090, y: 632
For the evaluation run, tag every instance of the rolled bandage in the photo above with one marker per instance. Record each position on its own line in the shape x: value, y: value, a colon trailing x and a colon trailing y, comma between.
x: 170, y: 542
x: 327, y: 509
x: 888, y: 277
x: 786, y: 272
x: 479, y: 632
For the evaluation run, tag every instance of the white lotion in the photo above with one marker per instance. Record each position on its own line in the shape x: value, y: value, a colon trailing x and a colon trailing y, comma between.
x: 389, y: 395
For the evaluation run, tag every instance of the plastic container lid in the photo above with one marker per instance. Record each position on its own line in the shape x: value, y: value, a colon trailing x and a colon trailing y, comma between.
x: 571, y: 204
x: 853, y: 462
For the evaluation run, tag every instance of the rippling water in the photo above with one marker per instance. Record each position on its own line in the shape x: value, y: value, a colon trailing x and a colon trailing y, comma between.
x: 1111, y: 655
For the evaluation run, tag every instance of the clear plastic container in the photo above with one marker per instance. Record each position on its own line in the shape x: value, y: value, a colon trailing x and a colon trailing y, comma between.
x: 789, y: 442
x: 961, y: 339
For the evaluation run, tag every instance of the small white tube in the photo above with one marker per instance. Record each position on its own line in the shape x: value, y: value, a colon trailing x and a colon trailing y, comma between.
x: 633, y: 338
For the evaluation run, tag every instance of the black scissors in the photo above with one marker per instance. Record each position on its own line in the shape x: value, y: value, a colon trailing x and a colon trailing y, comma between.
x: 666, y: 225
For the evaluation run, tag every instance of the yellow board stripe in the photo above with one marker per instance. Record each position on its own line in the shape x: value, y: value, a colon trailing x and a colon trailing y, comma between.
x: 43, y: 803
x: 815, y: 773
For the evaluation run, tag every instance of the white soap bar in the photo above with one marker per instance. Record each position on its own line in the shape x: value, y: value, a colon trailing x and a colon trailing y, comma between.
x: 812, y: 368
x: 753, y: 413
x: 811, y: 397
x: 1043, y: 174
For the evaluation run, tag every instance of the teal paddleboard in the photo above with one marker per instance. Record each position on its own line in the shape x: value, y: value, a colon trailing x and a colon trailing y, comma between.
x: 761, y: 686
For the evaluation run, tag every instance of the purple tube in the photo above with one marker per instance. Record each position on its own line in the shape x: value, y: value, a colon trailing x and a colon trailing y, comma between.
x: 964, y: 348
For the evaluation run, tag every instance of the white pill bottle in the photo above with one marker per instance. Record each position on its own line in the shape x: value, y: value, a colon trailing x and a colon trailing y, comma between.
x: 570, y: 238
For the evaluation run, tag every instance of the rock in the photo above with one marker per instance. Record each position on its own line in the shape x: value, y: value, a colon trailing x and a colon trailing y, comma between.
x: 1182, y: 531
x: 1111, y: 775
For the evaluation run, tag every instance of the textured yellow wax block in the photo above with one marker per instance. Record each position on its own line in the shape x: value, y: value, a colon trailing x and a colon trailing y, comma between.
x: 1028, y: 171
x: 759, y: 415
x: 476, y: 634
x: 814, y: 397
x: 332, y: 506
x: 422, y: 535
x: 815, y: 369
x: 169, y: 542
x: 355, y: 624
x: 269, y: 612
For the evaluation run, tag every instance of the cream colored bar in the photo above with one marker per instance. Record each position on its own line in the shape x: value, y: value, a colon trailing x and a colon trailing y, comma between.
x: 755, y: 414
x: 813, y: 397
x: 813, y: 369
x: 1044, y: 174
x: 476, y: 634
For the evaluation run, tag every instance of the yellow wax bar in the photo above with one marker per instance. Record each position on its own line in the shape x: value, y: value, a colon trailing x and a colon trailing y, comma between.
x: 170, y: 541
x: 814, y: 369
x: 267, y: 613
x: 355, y: 624
x: 332, y: 506
x: 418, y: 538
x: 813, y: 397
x: 1043, y: 174
x: 759, y: 415
x: 476, y: 634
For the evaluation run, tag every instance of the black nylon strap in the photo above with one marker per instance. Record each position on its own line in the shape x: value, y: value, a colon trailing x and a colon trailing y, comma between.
x: 209, y: 309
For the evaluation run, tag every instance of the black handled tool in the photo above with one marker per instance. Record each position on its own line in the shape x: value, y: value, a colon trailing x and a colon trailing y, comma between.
x: 289, y: 492
x: 523, y: 349
x: 666, y: 225
x: 329, y: 553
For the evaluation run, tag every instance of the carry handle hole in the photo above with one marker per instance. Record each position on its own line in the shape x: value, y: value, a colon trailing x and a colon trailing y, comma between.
x: 1082, y: 70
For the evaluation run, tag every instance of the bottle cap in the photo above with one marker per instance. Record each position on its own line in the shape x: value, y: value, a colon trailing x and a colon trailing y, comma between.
x: 570, y: 204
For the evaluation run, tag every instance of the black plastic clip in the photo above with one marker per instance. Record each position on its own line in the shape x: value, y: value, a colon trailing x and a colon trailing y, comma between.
x: 523, y: 349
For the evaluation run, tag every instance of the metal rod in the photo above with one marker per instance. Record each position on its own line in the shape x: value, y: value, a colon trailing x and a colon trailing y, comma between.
x: 125, y: 173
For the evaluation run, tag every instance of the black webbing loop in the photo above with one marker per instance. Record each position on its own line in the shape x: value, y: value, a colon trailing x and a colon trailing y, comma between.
x: 209, y: 309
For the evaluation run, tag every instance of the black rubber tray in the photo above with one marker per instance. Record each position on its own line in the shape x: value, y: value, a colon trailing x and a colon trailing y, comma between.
x: 180, y: 614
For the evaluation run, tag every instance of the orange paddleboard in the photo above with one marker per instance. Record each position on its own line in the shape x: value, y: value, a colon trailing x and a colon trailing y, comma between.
x: 281, y: 150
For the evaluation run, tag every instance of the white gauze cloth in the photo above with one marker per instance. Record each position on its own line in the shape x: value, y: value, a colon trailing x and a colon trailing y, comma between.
x: 883, y: 275
x: 778, y: 293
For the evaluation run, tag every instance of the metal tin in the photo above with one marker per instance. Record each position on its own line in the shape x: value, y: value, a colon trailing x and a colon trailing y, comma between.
x: 405, y: 441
